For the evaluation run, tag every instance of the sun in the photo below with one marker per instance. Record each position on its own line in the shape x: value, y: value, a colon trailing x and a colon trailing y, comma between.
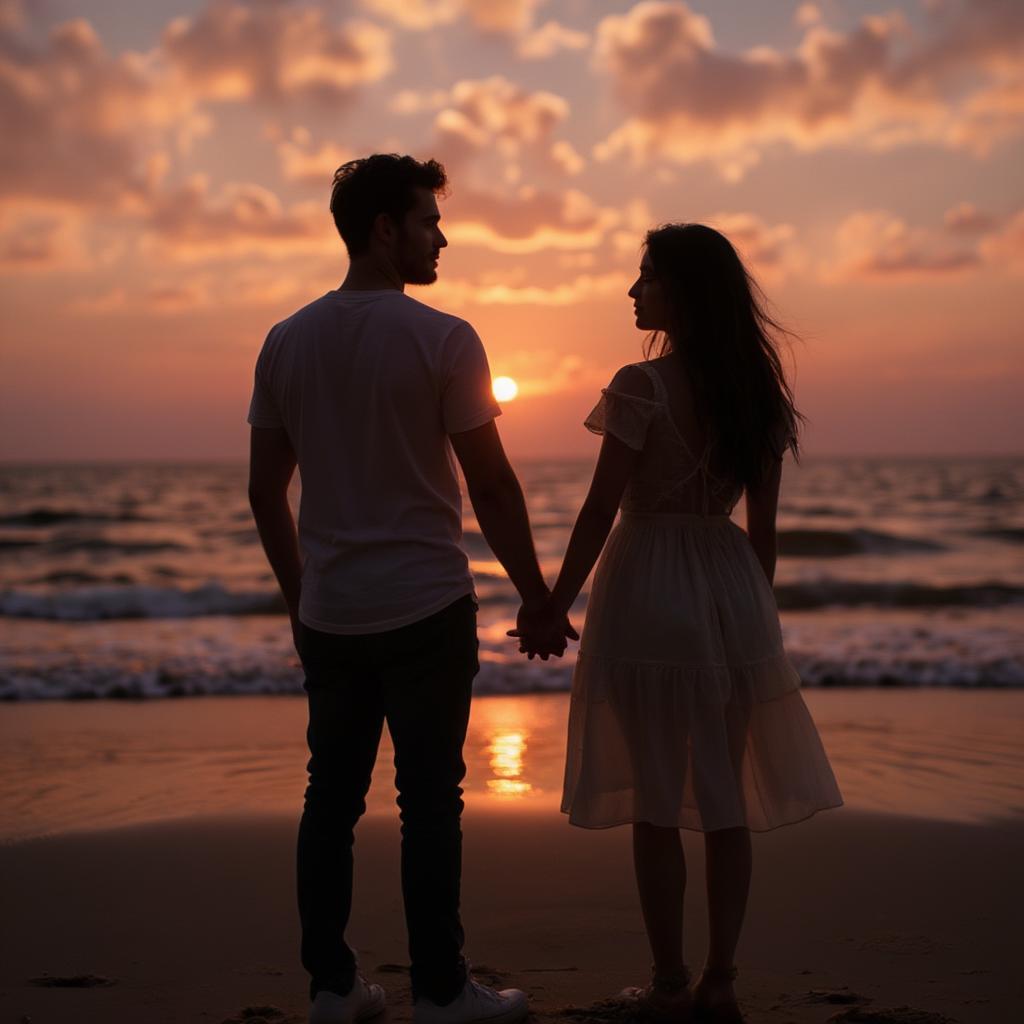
x: 504, y: 388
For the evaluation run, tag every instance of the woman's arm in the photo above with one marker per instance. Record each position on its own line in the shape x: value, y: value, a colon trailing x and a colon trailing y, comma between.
x: 762, y: 506
x: 539, y: 630
x: 614, y: 467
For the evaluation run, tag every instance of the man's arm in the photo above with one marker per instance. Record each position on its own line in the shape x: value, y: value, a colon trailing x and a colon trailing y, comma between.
x: 501, y: 511
x: 271, y: 465
x: 500, y: 508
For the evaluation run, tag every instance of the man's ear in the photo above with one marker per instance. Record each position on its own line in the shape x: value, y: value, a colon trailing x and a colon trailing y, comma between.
x: 384, y: 228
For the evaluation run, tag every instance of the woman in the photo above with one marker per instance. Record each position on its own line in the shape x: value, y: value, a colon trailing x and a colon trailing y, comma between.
x: 685, y: 711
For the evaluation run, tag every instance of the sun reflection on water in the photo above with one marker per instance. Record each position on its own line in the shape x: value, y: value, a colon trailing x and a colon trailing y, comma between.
x: 506, y: 751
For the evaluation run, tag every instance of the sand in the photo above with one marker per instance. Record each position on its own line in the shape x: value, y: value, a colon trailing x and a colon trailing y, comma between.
x: 852, y: 913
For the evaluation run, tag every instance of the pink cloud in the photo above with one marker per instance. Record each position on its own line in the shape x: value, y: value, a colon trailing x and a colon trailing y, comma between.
x: 967, y: 219
x: 875, y: 86
x: 243, y: 219
x: 527, y: 223
x: 80, y: 125
x: 877, y: 245
x: 311, y: 164
x: 1004, y: 247
x: 482, y: 116
x: 549, y: 39
x: 35, y: 243
x: 503, y: 17
x: 243, y: 49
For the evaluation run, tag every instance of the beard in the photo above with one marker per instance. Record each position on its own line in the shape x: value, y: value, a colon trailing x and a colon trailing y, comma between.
x: 417, y: 274
x: 415, y: 269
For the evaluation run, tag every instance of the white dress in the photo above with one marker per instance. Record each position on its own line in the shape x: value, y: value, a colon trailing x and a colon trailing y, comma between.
x: 685, y: 710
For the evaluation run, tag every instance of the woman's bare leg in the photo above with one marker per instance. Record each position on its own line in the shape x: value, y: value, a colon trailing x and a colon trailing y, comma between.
x: 661, y: 880
x: 728, y: 857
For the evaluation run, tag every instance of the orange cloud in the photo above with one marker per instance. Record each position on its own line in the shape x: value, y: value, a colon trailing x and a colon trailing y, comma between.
x: 311, y: 165
x: 1005, y: 246
x: 81, y: 126
x: 527, y: 223
x: 244, y: 219
x: 36, y: 243
x: 505, y: 17
x: 585, y: 287
x: 688, y: 100
x: 877, y: 245
x: 552, y: 37
x: 242, y: 49
x: 967, y: 219
x: 769, y: 248
x: 481, y: 116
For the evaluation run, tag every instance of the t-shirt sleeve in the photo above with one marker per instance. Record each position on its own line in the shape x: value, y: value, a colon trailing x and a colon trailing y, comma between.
x: 467, y: 401
x: 263, y: 410
x: 621, y: 414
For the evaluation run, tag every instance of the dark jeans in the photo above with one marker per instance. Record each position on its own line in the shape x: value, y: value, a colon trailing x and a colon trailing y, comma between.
x: 418, y: 679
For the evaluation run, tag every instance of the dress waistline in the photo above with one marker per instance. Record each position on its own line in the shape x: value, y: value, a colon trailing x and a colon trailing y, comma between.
x: 711, y: 519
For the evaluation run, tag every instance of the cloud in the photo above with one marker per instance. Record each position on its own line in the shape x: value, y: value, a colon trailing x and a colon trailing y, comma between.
x: 494, y: 115
x: 583, y: 288
x: 528, y: 223
x: 36, y: 243
x: 81, y: 126
x: 552, y: 37
x: 875, y: 86
x: 1004, y: 247
x: 12, y: 14
x: 875, y: 244
x: 275, y: 52
x: 505, y: 17
x: 417, y: 15
x: 244, y: 219
x: 967, y: 219
x: 807, y: 14
x: 770, y: 249
x: 414, y: 101
x: 303, y: 162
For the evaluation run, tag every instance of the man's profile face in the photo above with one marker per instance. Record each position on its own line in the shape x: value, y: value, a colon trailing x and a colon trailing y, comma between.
x: 419, y: 240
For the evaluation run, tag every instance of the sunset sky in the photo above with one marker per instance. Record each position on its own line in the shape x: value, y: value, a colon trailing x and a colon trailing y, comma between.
x: 165, y: 172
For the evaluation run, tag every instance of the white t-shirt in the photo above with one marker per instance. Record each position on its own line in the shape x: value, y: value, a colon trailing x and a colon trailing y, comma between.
x: 368, y: 386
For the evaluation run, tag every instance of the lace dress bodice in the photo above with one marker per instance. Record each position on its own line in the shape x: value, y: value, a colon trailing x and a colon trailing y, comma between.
x: 670, y: 476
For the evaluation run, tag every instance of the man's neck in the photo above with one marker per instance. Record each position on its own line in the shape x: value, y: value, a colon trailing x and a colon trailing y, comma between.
x: 369, y: 275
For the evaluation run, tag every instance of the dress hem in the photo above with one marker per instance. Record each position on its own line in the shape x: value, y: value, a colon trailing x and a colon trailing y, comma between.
x: 696, y: 828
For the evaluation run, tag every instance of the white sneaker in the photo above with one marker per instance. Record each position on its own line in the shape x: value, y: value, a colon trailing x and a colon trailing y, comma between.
x: 475, y: 1004
x: 365, y: 1000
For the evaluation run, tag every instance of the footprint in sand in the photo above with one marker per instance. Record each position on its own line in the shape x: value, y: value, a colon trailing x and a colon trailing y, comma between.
x: 72, y: 981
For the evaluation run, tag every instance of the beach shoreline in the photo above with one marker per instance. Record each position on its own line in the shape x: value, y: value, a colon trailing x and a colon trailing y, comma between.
x: 194, y: 920
x: 151, y: 845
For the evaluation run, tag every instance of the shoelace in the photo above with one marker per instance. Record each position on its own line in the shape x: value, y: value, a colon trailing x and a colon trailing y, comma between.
x: 488, y: 994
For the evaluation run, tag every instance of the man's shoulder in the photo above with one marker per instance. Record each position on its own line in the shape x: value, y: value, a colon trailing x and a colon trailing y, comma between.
x: 310, y: 311
x: 432, y: 318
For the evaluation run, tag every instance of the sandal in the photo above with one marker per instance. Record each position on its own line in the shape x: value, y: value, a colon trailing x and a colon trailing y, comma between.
x: 666, y: 998
x: 726, y: 1012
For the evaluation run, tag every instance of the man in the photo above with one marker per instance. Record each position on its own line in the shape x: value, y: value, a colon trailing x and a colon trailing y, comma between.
x: 368, y: 391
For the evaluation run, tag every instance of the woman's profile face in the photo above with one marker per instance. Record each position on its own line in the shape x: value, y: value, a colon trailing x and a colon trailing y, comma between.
x: 649, y: 303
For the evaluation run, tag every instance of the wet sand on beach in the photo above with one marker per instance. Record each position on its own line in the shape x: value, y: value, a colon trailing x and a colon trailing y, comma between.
x: 189, y: 915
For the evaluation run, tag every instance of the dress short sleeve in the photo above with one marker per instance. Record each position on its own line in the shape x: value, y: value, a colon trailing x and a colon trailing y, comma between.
x: 624, y: 416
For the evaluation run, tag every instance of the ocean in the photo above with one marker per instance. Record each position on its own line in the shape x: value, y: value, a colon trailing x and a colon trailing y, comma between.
x: 147, y: 580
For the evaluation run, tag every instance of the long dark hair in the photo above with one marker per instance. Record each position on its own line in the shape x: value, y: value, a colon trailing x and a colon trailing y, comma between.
x: 729, y: 345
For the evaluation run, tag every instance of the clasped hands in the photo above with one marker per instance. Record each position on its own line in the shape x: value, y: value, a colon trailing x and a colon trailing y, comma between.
x: 543, y: 630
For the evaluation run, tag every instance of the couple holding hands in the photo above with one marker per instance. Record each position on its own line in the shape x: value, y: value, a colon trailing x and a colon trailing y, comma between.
x: 685, y: 710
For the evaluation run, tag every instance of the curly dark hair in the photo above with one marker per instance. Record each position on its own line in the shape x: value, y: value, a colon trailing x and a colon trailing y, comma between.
x: 383, y: 183
x: 729, y: 345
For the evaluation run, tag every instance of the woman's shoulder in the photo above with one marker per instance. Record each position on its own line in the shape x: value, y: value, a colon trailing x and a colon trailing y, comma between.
x: 633, y: 380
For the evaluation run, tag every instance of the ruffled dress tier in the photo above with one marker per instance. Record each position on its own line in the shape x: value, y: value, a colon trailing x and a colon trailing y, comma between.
x: 685, y: 710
